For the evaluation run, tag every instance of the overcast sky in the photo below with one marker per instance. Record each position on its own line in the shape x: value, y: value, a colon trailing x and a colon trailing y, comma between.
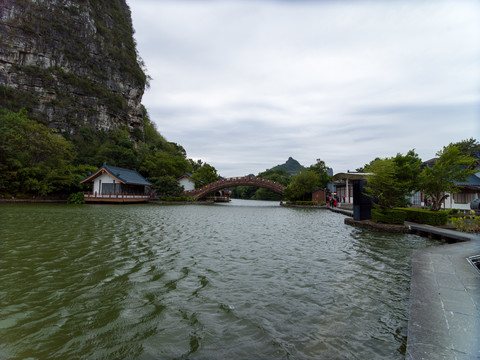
x: 243, y: 85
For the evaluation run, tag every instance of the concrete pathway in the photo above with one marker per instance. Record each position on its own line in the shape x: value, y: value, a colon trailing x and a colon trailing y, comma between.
x: 444, y: 308
x: 341, y: 211
x: 442, y: 233
x: 444, y: 314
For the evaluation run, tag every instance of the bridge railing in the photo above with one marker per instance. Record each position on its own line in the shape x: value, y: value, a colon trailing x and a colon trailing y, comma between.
x: 235, y: 181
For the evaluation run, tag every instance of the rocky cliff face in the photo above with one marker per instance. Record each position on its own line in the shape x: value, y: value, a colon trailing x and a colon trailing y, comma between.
x: 71, y: 63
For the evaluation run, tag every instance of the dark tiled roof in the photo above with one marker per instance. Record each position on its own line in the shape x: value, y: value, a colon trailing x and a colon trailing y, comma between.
x: 185, y: 175
x: 472, y: 180
x: 189, y: 176
x: 124, y: 175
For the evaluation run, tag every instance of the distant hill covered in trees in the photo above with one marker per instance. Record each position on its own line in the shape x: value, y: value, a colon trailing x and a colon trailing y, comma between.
x: 291, y: 166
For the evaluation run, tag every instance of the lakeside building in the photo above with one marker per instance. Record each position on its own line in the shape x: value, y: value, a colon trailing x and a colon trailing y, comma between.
x: 187, y: 182
x: 115, y: 184
x: 343, y: 184
x: 319, y: 195
x: 469, y: 190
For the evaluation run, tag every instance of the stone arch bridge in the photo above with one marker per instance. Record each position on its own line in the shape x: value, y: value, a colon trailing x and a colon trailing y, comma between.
x: 232, y: 182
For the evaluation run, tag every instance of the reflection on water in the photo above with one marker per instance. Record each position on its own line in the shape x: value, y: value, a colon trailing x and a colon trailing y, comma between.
x: 228, y: 281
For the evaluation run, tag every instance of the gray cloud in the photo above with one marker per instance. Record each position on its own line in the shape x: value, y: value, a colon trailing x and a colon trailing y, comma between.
x: 244, y: 85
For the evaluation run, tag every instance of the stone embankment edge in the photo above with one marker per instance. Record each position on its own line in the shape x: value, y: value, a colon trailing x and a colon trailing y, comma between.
x: 339, y: 209
x: 444, y: 306
x: 444, y: 303
x: 303, y: 206
x: 31, y: 201
x: 159, y: 202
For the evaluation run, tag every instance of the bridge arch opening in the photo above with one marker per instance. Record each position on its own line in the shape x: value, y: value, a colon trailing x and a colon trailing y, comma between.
x: 227, y: 183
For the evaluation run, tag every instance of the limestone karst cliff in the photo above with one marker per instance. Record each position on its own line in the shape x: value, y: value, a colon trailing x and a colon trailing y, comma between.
x: 71, y: 63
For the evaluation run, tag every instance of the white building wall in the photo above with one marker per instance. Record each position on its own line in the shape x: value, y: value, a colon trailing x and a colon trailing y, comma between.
x: 102, y: 179
x: 187, y: 184
x: 450, y: 204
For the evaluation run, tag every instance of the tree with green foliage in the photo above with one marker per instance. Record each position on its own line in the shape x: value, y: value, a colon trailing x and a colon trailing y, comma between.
x: 470, y: 147
x: 33, y: 160
x: 150, y: 152
x: 407, y: 171
x: 366, y: 168
x: 278, y: 175
x: 323, y: 171
x: 205, y: 174
x: 161, y: 163
x: 245, y: 192
x: 119, y: 151
x: 255, y: 193
x: 151, y: 135
x: 147, y: 150
x: 76, y: 198
x: 302, y: 185
x: 381, y: 186
x: 195, y: 165
x: 266, y: 194
x: 393, y: 180
x: 450, y: 167
x: 166, y: 185
x: 36, y: 161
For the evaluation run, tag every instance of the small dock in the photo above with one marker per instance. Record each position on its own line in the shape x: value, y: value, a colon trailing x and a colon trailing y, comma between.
x: 446, y: 235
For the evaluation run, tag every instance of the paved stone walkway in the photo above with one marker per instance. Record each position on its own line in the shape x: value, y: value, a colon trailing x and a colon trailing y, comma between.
x: 444, y: 316
x: 444, y: 308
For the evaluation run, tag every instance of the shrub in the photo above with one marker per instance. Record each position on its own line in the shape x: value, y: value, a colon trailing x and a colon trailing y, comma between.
x: 388, y: 216
x: 428, y: 217
x: 176, y: 198
x: 453, y: 212
x: 306, y: 203
x: 467, y: 223
x: 76, y: 198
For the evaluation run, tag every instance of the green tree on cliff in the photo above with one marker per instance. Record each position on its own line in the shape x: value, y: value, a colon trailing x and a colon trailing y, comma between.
x: 33, y: 160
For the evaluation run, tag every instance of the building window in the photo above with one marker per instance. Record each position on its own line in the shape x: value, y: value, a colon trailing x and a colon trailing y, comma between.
x: 464, y: 198
x: 416, y: 199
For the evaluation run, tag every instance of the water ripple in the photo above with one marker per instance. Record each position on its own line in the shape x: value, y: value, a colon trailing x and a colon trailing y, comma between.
x: 199, y: 282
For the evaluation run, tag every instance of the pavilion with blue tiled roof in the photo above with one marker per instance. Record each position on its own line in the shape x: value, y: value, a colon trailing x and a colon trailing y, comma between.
x: 116, y: 184
x: 473, y: 181
x: 469, y: 191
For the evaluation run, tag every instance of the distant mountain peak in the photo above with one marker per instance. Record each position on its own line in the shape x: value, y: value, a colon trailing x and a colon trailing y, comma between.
x: 291, y: 166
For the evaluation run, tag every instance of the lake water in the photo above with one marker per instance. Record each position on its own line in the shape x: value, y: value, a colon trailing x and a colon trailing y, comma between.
x: 244, y: 280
